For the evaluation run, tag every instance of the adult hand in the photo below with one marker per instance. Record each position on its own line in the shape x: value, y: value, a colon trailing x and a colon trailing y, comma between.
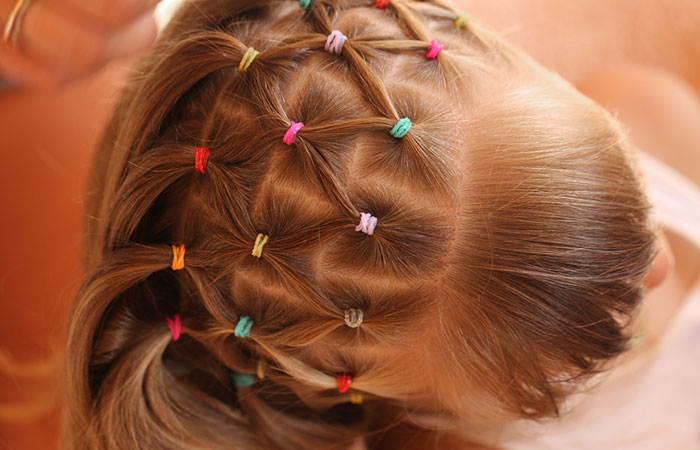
x: 60, y: 40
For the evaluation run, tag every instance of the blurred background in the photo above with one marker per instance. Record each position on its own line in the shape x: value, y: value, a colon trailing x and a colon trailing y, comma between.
x: 48, y: 135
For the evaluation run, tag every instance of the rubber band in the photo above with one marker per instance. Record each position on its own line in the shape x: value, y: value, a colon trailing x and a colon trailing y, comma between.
x: 178, y: 257
x: 243, y: 327
x: 201, y: 157
x: 242, y: 379
x: 367, y: 223
x: 335, y: 42
x: 175, y: 326
x: 401, y: 128
x: 433, y: 49
x: 353, y: 317
x: 381, y: 4
x: 344, y: 382
x: 248, y: 58
x: 305, y: 3
x: 462, y: 21
x: 260, y: 369
x: 260, y: 242
x: 291, y: 135
x: 356, y: 398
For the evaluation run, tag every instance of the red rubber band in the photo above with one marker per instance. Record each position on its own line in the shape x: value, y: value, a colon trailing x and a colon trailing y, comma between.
x: 381, y: 4
x: 344, y: 382
x: 201, y: 157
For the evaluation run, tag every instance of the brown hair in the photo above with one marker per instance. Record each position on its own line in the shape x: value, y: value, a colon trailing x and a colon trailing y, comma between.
x: 512, y: 235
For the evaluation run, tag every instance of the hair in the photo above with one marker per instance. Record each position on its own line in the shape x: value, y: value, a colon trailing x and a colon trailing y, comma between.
x: 512, y: 238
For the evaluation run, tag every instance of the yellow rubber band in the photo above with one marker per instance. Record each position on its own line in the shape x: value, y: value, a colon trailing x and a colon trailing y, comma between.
x: 355, y: 398
x: 248, y: 58
x: 260, y: 242
x: 178, y: 257
x: 462, y: 21
x: 260, y: 370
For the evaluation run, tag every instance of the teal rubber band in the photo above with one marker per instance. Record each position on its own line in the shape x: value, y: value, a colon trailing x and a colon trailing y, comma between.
x: 305, y: 3
x: 401, y: 128
x: 243, y: 327
x: 242, y: 379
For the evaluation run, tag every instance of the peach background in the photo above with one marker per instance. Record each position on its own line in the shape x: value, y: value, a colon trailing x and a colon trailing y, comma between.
x: 48, y: 139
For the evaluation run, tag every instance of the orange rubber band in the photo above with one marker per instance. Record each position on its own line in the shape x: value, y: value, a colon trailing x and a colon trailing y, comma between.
x: 178, y: 257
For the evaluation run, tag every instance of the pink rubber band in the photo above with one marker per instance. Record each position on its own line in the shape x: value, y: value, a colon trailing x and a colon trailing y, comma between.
x: 335, y: 42
x: 433, y: 49
x: 367, y: 223
x: 291, y: 135
x: 175, y: 327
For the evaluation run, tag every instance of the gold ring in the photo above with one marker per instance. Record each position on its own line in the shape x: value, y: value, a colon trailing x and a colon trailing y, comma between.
x: 12, y: 26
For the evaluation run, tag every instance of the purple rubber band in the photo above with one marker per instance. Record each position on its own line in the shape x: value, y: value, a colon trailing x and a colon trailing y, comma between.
x: 433, y: 49
x: 367, y: 223
x: 335, y: 42
x: 291, y: 135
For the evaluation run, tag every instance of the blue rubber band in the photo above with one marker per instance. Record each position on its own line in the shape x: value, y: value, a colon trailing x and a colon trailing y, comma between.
x: 242, y: 379
x: 243, y: 327
x: 401, y: 128
x: 305, y: 3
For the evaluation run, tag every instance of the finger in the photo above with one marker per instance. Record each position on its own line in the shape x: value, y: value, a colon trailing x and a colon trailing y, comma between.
x: 112, y: 14
x: 70, y: 48
x: 23, y: 71
x: 134, y: 38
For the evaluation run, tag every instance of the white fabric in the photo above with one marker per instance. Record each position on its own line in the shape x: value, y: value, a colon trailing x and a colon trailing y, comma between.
x: 652, y: 402
x: 165, y: 11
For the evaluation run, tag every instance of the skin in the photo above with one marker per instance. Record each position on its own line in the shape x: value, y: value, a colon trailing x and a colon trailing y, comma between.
x: 50, y: 129
x: 61, y: 40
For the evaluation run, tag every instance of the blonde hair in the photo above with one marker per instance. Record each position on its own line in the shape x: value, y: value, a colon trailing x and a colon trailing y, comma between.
x: 512, y: 233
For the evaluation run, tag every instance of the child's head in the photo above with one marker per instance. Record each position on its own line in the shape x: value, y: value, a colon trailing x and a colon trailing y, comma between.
x: 510, y: 244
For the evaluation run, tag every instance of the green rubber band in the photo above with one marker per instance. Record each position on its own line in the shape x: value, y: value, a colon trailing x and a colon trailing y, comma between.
x: 401, y: 128
x: 305, y: 3
x: 242, y: 379
x: 243, y: 327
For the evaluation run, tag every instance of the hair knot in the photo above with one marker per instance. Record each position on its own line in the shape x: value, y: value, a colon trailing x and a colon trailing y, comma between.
x: 462, y: 21
x: 356, y: 398
x: 178, y: 257
x: 175, y: 326
x: 201, y: 157
x: 367, y: 223
x: 344, y: 382
x: 401, y: 128
x: 242, y: 379
x: 291, y: 135
x: 353, y: 317
x: 260, y: 369
x: 247, y: 59
x: 433, y: 49
x: 260, y: 242
x: 243, y: 327
x: 335, y: 41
